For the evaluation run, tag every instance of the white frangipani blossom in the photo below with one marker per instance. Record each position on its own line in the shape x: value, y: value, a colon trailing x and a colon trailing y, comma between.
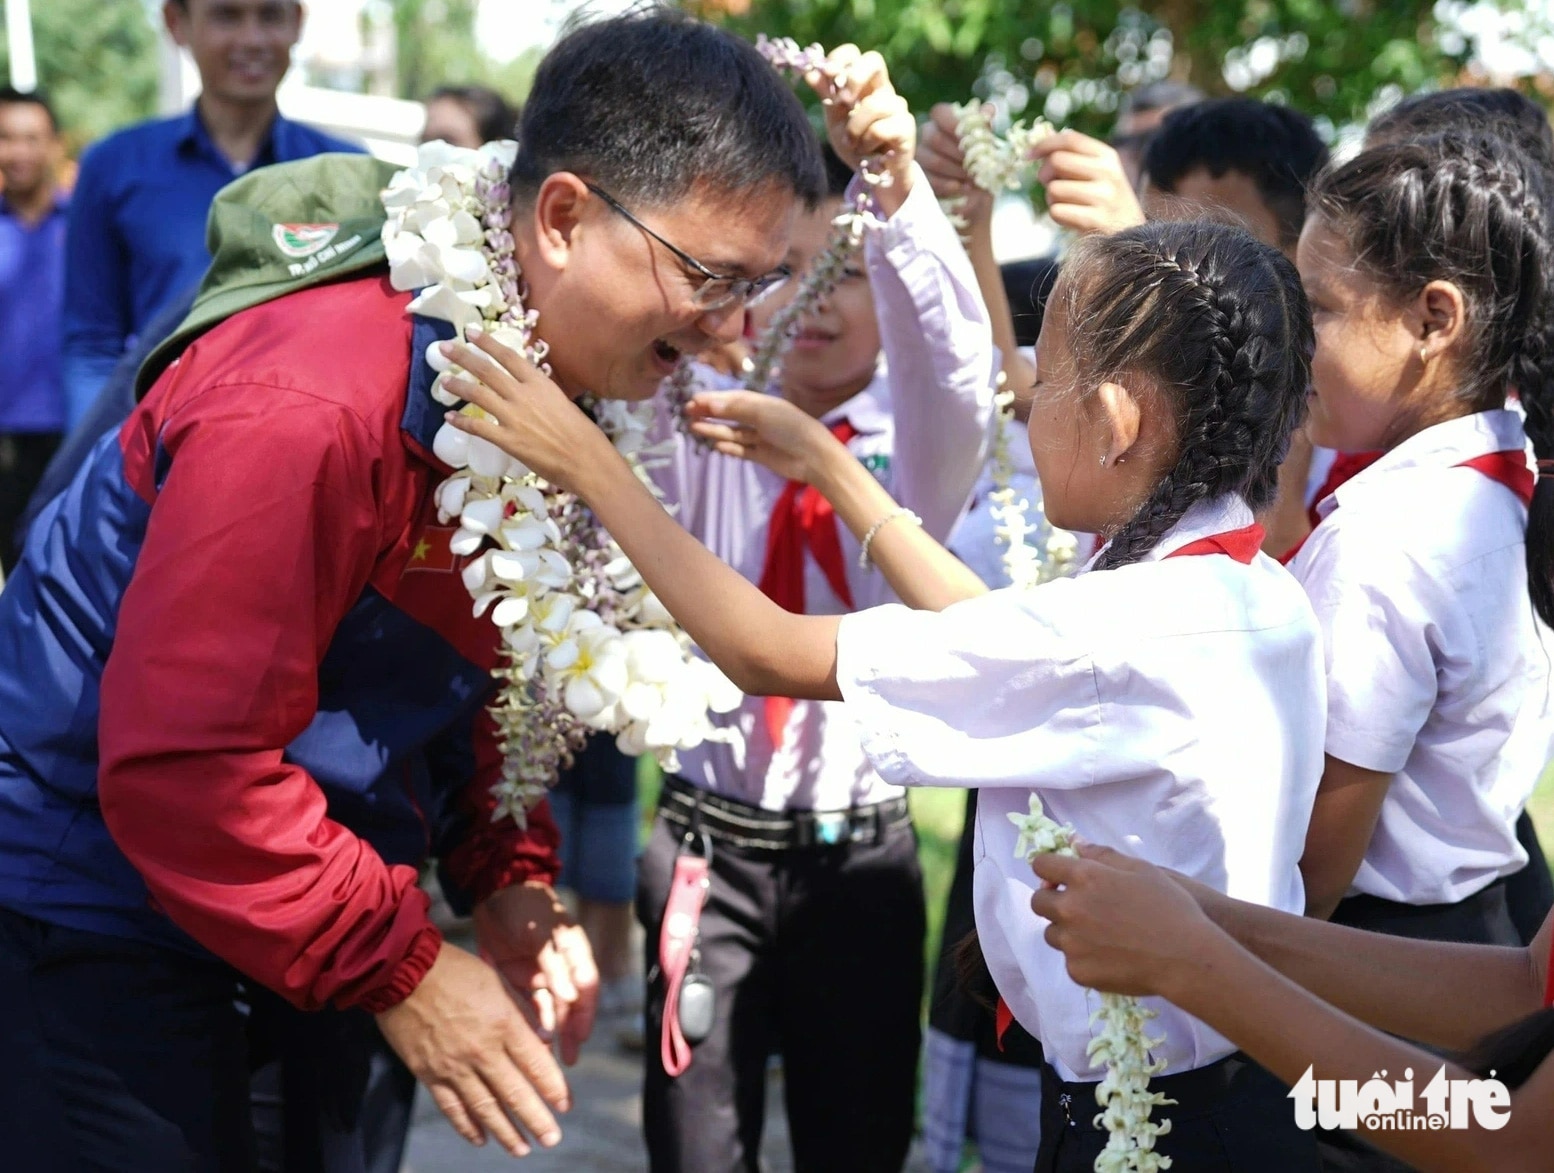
x: 586, y: 645
x: 1027, y: 565
x: 1123, y: 1043
x: 993, y: 163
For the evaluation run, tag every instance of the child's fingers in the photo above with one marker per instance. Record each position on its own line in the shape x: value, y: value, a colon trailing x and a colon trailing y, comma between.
x: 880, y: 127
x: 510, y: 360
x: 489, y: 368
x: 1047, y: 903
x: 1071, y: 141
x: 1081, y: 192
x: 473, y: 391
x: 482, y: 426
x: 867, y: 76
x: 740, y: 407
x: 1059, y: 869
x: 1072, y: 165
x: 723, y: 433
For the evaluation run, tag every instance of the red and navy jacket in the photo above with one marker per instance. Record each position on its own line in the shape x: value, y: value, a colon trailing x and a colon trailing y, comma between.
x: 242, y: 688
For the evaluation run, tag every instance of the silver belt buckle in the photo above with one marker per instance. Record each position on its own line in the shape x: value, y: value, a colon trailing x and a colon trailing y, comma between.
x: 831, y: 827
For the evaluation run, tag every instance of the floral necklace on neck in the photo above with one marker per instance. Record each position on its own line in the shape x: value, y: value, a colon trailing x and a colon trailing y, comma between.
x: 586, y: 646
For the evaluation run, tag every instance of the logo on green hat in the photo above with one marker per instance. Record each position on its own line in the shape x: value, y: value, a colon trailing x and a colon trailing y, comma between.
x: 303, y: 240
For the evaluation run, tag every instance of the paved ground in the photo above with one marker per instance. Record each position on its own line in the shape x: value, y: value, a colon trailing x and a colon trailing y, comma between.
x: 602, y: 1133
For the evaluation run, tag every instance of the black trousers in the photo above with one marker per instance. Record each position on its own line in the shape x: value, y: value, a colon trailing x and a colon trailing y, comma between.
x: 1230, y: 1117
x: 124, y: 1057
x: 815, y: 954
x: 23, y: 457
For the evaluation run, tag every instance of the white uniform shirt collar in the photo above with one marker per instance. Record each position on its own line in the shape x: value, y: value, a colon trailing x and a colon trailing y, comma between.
x: 1218, y: 515
x: 868, y: 411
x: 1439, y: 446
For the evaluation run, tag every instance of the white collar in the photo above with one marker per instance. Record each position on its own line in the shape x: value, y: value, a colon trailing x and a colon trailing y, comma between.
x: 868, y: 411
x: 1206, y: 519
x: 1442, y: 445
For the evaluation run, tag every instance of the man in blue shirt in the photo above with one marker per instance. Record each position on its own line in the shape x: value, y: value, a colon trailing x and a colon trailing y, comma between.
x: 32, y: 277
x: 137, y: 222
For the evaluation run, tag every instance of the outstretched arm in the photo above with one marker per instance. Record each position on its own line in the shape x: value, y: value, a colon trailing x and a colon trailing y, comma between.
x: 1123, y: 926
x: 775, y: 433
x: 762, y: 648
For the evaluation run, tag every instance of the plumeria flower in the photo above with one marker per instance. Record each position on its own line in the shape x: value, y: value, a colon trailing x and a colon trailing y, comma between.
x: 586, y: 646
x: 589, y: 663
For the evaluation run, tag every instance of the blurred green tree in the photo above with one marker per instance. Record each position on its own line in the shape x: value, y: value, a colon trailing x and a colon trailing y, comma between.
x: 1073, y: 59
x: 437, y: 46
x: 97, y: 61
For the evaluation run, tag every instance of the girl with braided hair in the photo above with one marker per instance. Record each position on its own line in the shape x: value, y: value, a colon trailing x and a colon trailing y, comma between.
x: 1167, y: 701
x: 1427, y: 262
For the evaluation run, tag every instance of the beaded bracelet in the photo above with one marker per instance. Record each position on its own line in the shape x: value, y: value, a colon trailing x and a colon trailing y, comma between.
x: 863, y: 549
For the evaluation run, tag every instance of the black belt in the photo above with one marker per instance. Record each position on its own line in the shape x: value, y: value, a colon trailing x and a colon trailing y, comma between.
x: 1195, y: 1091
x: 743, y: 825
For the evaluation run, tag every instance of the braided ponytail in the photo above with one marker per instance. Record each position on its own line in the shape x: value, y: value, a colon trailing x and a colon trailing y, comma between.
x: 1216, y: 321
x: 1460, y: 207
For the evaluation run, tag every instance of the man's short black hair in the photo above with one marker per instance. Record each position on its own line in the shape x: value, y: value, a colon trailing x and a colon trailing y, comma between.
x: 1504, y: 112
x: 1275, y: 147
x: 652, y: 103
x: 495, y: 117
x: 11, y: 96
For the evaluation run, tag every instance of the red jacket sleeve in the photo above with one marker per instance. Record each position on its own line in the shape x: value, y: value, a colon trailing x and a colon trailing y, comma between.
x: 493, y: 854
x: 261, y: 537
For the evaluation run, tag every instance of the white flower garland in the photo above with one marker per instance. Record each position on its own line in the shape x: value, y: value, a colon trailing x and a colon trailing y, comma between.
x: 995, y: 163
x: 858, y: 217
x: 586, y: 645
x: 1123, y: 1044
x: 1015, y: 518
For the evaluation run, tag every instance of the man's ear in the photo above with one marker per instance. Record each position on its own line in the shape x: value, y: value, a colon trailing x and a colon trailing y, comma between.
x: 176, y: 17
x: 1120, y: 410
x: 557, y: 212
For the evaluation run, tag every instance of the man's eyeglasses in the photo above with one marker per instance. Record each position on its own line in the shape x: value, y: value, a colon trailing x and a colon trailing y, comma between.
x: 716, y: 292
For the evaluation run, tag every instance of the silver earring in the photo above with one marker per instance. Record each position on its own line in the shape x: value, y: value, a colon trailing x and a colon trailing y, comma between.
x: 1103, y: 462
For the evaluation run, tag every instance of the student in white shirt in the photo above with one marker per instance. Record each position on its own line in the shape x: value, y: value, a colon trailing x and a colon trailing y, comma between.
x: 803, y: 832
x: 1427, y: 265
x: 1310, y: 1000
x: 1168, y: 700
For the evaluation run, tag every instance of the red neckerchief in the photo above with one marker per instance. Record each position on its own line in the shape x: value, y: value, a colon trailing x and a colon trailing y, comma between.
x: 802, y: 520
x: 1507, y: 467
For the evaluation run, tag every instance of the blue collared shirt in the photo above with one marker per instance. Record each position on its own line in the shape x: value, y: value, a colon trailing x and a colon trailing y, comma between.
x: 32, y: 282
x: 137, y: 233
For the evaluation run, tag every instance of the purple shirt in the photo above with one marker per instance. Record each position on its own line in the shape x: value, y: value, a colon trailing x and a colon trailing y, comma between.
x: 32, y: 296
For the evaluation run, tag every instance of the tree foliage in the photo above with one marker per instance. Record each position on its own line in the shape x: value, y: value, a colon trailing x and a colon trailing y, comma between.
x: 1071, y: 60
x: 97, y: 61
x: 437, y: 46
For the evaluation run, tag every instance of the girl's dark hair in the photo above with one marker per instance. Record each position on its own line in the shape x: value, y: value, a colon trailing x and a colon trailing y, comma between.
x: 1460, y: 207
x: 1507, y: 113
x: 1219, y: 323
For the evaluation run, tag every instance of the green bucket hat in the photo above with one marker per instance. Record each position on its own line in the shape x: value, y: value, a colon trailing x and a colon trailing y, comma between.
x: 277, y: 230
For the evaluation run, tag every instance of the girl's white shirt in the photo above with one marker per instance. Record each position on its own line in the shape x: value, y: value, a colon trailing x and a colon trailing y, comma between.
x: 1438, y: 672
x: 1172, y: 709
